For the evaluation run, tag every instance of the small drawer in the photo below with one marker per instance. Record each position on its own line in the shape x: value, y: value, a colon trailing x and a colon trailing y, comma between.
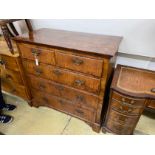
x: 40, y: 99
x: 32, y: 52
x: 15, y: 89
x: 119, y: 129
x: 125, y: 109
x: 9, y: 62
x: 10, y: 75
x: 79, y: 63
x: 128, y: 100
x: 40, y: 71
x: 76, y: 96
x: 122, y: 119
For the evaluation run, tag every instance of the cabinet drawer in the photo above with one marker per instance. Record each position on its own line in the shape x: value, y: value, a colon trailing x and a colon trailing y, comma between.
x: 120, y: 129
x: 122, y: 119
x: 75, y: 80
x: 128, y: 100
x: 40, y: 71
x: 15, y: 89
x: 45, y: 55
x: 152, y: 104
x: 76, y: 96
x: 61, y: 104
x: 62, y: 76
x: 9, y: 62
x: 10, y: 75
x: 79, y: 63
x: 125, y: 109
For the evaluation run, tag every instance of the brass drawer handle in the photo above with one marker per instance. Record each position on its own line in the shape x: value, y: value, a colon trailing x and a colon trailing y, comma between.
x: 59, y: 87
x: 38, y: 71
x: 153, y: 90
x: 57, y: 72
x: 77, y: 61
x: 79, y: 82
x: 80, y: 98
x: 41, y: 86
x: 35, y: 52
x: 8, y: 76
x: 79, y: 111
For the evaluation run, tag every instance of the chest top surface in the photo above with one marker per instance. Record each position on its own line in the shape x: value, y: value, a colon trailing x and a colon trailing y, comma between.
x: 85, y: 42
x: 136, y: 82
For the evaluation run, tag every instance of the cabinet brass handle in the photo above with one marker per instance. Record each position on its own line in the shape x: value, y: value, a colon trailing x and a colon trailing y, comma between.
x: 79, y: 111
x: 35, y: 52
x: 153, y: 90
x: 41, y: 86
x: 79, y: 82
x: 8, y: 76
x: 80, y: 98
x: 77, y: 61
x: 59, y: 87
x: 57, y: 72
x: 38, y: 71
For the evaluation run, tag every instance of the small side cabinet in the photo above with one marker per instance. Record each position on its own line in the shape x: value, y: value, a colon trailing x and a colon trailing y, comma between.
x: 132, y: 90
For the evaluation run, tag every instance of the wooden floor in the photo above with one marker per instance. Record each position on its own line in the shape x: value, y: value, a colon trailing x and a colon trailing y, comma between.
x: 45, y: 121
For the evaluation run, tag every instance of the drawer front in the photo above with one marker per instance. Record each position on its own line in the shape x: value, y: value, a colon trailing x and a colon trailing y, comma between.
x: 10, y: 75
x: 63, y: 76
x: 127, y: 100
x: 61, y: 104
x: 122, y: 119
x: 9, y: 62
x: 152, y: 104
x: 81, y: 64
x: 75, y: 80
x: 39, y: 71
x: 45, y: 55
x: 125, y: 109
x: 120, y: 129
x: 15, y: 89
x: 77, y: 97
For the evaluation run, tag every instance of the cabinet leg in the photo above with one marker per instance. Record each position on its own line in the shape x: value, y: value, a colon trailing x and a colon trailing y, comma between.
x: 96, y: 128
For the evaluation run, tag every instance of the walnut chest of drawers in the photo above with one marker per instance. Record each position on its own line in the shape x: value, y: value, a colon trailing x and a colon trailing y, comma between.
x: 132, y: 91
x: 68, y: 71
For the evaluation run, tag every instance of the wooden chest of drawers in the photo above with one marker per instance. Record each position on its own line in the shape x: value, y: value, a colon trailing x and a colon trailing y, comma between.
x: 69, y: 71
x: 132, y: 90
x: 12, y: 76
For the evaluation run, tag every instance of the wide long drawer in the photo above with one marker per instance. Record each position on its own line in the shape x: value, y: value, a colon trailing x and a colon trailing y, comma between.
x: 42, y: 99
x: 76, y: 96
x: 79, y: 63
x: 63, y: 76
x: 32, y: 52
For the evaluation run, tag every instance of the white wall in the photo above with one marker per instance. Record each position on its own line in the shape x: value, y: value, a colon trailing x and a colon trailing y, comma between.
x: 138, y: 35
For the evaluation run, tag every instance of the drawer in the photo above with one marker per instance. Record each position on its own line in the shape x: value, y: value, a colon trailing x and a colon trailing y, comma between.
x: 79, y: 63
x: 42, y: 99
x: 120, y: 129
x: 9, y: 62
x: 128, y: 100
x: 152, y: 104
x: 75, y: 80
x: 45, y: 55
x: 15, y: 89
x: 40, y: 71
x: 125, y: 109
x: 62, y: 76
x: 11, y: 75
x: 76, y: 96
x: 122, y: 119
